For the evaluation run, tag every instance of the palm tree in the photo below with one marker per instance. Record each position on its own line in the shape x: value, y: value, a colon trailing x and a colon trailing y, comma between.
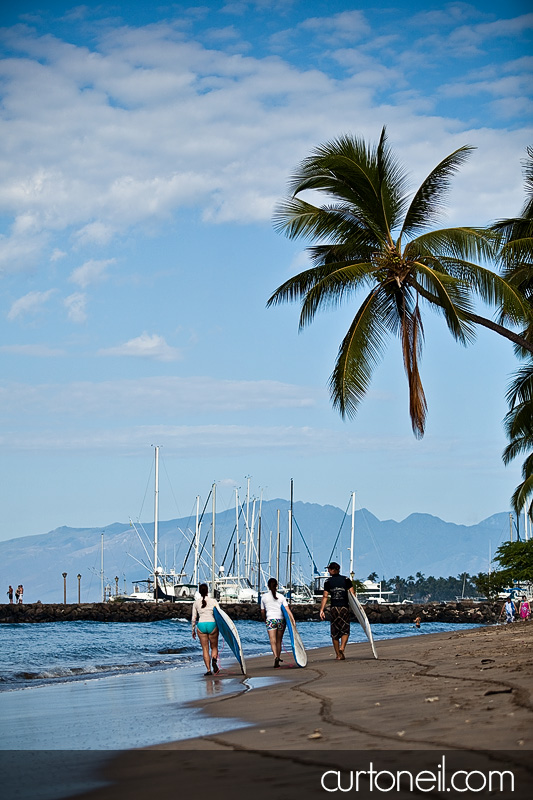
x: 517, y: 260
x: 518, y: 424
x: 370, y: 235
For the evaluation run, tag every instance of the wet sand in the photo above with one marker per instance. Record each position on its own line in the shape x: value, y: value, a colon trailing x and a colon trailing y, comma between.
x: 465, y: 695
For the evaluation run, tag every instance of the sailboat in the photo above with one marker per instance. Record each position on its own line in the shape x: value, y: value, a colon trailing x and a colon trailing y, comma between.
x: 161, y: 585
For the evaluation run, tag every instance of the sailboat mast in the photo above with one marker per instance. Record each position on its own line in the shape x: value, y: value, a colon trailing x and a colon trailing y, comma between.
x: 237, y: 534
x: 277, y: 550
x: 156, y: 518
x: 247, y: 545
x: 196, y: 540
x: 102, y: 568
x: 352, y: 574
x: 290, y: 545
x: 213, y: 542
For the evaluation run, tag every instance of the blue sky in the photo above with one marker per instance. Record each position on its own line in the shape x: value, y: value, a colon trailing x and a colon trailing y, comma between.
x: 142, y: 152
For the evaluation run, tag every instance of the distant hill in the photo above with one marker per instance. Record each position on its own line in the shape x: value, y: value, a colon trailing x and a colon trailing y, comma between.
x: 420, y: 543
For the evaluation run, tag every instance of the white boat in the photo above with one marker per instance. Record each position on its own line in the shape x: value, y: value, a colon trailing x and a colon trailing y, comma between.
x: 160, y: 585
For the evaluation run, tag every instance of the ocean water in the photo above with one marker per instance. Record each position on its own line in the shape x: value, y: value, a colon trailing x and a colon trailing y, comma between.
x: 111, y: 686
x: 75, y: 692
x: 34, y: 655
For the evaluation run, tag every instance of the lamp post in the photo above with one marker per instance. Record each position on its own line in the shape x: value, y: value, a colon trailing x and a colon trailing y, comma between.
x: 64, y: 588
x: 79, y: 588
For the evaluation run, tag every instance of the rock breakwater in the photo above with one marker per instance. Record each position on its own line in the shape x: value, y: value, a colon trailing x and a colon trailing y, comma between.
x: 461, y: 612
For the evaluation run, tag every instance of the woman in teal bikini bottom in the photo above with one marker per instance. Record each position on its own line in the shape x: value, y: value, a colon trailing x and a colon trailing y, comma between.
x: 203, y: 623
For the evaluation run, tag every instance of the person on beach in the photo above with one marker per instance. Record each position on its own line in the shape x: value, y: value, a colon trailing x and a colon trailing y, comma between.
x: 524, y: 610
x: 271, y: 604
x: 10, y: 594
x: 203, y: 622
x: 338, y: 587
x: 509, y: 609
x: 417, y: 622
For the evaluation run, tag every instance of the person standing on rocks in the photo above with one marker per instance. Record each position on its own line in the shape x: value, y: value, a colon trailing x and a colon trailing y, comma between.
x: 10, y: 594
x: 338, y: 587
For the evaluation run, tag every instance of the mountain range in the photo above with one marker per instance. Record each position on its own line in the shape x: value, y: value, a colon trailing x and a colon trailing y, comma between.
x: 420, y: 543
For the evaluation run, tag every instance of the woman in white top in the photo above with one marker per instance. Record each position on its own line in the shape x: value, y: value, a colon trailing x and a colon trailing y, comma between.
x: 203, y: 621
x: 271, y: 603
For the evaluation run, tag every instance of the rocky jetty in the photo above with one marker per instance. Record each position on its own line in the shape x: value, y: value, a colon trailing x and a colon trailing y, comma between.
x: 117, y: 611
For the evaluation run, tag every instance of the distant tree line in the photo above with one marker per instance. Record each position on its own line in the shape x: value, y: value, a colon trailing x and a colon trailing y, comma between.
x: 420, y: 589
x: 516, y: 566
x: 515, y: 560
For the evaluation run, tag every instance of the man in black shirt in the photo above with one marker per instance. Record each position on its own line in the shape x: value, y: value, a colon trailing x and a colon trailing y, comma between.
x: 338, y: 587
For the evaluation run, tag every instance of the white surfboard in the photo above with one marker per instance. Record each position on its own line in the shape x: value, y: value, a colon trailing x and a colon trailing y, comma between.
x: 231, y: 636
x: 298, y: 649
x: 361, y: 617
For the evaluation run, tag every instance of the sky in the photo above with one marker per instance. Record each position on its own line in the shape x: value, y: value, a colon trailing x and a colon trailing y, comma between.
x: 142, y: 151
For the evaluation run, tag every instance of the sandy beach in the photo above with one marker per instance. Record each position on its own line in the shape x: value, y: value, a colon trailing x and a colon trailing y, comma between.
x: 464, y: 695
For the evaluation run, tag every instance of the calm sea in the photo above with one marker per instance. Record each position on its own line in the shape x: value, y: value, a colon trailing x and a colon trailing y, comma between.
x: 72, y: 692
x: 34, y: 655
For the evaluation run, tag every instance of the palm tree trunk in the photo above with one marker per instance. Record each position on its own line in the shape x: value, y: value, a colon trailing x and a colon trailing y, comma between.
x: 486, y: 323
x: 511, y: 335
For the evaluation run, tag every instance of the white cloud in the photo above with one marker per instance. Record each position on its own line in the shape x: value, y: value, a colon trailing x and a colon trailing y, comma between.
x: 30, y: 303
x: 163, y: 397
x: 94, y: 233
x: 91, y: 272
x: 145, y: 346
x: 19, y: 251
x: 75, y: 304
x: 468, y: 40
x: 33, y: 350
x: 345, y: 26
x: 150, y: 121
x: 209, y: 440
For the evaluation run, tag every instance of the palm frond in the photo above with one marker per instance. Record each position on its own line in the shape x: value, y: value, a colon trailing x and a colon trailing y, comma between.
x: 296, y: 218
x: 496, y: 291
x: 392, y: 184
x: 333, y: 288
x: 359, y: 353
x: 370, y: 180
x: 518, y: 423
x: 412, y: 334
x: 428, y: 200
x: 297, y: 287
x: 522, y: 495
x: 357, y: 249
x: 517, y: 255
x: 448, y: 295
x: 521, y: 387
x: 519, y: 445
x: 463, y: 243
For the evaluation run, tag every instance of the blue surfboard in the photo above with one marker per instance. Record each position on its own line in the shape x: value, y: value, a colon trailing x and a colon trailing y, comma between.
x: 298, y: 649
x: 230, y: 635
